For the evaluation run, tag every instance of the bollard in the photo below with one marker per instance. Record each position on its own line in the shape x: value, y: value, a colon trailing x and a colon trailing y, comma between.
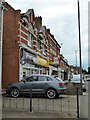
x: 77, y: 104
x: 31, y: 99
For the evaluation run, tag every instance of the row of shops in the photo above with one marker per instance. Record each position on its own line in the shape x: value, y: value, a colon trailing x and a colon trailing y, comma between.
x: 32, y: 62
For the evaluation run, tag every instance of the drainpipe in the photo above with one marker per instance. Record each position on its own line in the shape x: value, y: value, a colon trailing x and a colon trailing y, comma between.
x: 2, y: 8
x: 19, y: 62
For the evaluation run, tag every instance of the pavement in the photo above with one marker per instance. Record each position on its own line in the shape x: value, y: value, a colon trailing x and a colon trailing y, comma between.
x: 6, y: 113
x: 25, y: 113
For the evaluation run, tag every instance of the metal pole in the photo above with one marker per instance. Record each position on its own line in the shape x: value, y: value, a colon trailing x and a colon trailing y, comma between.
x: 80, y: 46
x: 31, y: 99
x: 77, y: 104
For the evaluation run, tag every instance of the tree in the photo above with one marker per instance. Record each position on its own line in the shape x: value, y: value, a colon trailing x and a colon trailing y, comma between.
x: 88, y: 70
x: 84, y: 71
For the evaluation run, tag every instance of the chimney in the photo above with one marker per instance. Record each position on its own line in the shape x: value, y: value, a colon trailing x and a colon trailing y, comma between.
x: 38, y: 21
x: 48, y: 30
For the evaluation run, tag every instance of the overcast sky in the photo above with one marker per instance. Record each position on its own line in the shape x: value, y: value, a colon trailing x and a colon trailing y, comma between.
x: 61, y: 17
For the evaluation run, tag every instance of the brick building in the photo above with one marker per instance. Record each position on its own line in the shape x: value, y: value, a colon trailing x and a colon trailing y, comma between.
x: 10, y: 53
x: 64, y: 68
x: 54, y: 54
x: 28, y: 47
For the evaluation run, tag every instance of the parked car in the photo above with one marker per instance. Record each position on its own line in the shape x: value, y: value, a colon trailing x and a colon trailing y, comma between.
x: 87, y: 77
x: 76, y: 79
x: 41, y: 84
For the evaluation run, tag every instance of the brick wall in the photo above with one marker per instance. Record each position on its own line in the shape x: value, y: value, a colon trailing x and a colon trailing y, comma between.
x: 10, y: 63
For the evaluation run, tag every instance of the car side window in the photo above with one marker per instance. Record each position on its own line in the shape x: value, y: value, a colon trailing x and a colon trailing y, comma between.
x: 31, y: 79
x: 35, y: 78
x: 42, y: 78
x: 49, y: 79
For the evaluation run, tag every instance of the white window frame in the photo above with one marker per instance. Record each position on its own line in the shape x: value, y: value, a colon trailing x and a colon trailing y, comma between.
x: 30, y: 40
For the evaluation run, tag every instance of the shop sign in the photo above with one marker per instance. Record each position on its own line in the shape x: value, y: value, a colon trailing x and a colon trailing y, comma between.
x: 30, y: 58
x: 42, y: 61
x: 56, y: 60
x: 51, y: 63
x: 22, y: 62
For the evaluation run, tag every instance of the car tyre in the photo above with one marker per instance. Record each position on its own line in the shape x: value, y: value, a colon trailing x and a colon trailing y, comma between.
x: 51, y: 93
x: 14, y: 92
x: 84, y: 90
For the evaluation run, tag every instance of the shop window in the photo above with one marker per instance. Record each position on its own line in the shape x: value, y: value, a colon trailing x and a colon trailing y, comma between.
x: 24, y: 72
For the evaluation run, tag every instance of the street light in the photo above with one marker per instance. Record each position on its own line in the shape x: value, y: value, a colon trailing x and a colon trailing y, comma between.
x: 79, y: 45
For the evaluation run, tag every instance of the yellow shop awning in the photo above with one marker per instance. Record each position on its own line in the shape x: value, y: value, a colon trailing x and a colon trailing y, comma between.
x: 42, y: 61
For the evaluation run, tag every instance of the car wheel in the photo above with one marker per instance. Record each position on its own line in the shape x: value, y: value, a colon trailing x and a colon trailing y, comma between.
x: 84, y: 90
x: 14, y: 92
x: 51, y: 93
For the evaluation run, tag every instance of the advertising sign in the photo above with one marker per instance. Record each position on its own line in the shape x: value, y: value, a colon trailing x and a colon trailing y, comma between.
x: 42, y: 61
x: 56, y: 60
x: 30, y: 58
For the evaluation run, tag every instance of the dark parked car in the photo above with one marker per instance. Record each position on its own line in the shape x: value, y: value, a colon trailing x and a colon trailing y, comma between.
x: 41, y: 84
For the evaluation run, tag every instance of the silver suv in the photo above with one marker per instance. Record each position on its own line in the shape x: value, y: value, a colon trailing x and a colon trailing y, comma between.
x: 41, y: 84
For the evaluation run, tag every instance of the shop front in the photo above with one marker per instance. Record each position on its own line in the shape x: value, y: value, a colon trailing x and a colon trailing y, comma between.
x: 53, y: 70
x: 53, y: 67
x: 32, y: 64
x: 44, y: 63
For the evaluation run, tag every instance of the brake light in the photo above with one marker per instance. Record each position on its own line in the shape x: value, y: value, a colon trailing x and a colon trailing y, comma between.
x: 61, y: 84
x: 83, y: 83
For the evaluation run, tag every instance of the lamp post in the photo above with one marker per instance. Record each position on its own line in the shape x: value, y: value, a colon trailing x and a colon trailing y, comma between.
x: 79, y: 45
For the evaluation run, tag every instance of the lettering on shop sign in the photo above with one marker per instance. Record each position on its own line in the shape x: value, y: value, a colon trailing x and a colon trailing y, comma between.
x: 42, y: 61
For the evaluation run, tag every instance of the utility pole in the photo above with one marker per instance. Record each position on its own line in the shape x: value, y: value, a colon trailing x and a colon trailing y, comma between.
x: 79, y: 45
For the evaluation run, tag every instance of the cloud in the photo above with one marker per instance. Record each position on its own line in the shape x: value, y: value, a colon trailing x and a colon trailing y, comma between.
x: 61, y: 16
